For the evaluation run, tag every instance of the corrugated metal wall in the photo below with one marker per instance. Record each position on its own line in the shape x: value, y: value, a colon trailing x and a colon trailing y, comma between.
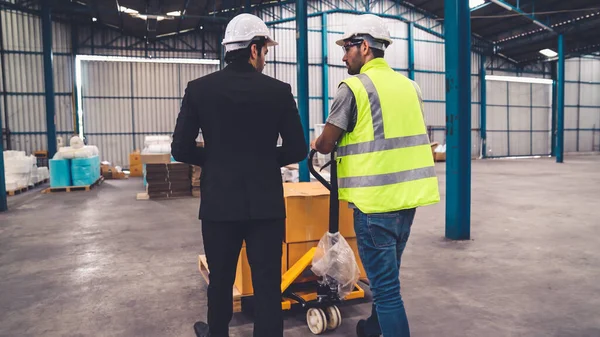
x: 122, y: 102
x: 429, y: 58
x: 25, y: 107
x: 125, y: 101
x: 518, y: 115
x: 582, y: 104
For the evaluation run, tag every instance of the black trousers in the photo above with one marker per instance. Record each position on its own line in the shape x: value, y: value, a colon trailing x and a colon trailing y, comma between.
x: 222, y: 245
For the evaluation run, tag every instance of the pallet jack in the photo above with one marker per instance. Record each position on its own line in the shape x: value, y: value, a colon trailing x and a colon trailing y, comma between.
x: 323, y: 313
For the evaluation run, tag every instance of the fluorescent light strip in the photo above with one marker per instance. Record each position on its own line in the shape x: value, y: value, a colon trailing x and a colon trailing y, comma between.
x: 80, y: 58
x: 518, y: 79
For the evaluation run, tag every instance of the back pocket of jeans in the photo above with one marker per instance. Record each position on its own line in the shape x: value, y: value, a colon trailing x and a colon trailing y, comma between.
x: 382, y: 229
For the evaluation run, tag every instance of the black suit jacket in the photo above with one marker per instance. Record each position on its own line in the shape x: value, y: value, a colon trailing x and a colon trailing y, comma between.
x: 241, y: 113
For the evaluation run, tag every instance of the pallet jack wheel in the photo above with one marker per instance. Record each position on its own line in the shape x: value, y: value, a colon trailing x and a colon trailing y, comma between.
x: 316, y: 320
x: 334, y: 318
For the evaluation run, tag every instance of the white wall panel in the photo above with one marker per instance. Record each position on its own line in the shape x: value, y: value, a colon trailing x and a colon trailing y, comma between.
x: 582, y: 113
x: 496, y: 119
x: 590, y: 94
x: 435, y: 114
x: 571, y: 117
x: 571, y: 93
x: 106, y: 79
x: 27, y: 113
x: 396, y: 54
x: 432, y: 86
x: 519, y: 119
x: 496, y: 92
x: 155, y: 115
x: 519, y: 94
x: 429, y: 56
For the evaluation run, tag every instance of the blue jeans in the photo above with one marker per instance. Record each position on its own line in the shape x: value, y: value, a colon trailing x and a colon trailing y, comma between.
x: 381, y: 240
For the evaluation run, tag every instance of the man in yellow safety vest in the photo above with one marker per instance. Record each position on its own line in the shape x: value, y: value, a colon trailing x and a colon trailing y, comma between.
x: 385, y: 166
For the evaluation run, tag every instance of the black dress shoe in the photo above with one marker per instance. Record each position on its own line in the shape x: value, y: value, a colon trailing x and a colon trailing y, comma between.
x: 201, y: 329
x: 360, y: 329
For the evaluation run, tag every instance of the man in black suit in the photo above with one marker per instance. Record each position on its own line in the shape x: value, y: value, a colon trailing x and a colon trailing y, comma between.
x: 241, y: 113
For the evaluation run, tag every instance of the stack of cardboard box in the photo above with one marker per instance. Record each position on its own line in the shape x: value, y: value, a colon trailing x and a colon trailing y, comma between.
x: 135, y: 164
x: 307, y: 220
x: 110, y: 172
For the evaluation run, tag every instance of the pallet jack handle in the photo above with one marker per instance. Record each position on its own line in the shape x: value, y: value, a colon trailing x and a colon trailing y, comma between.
x: 334, y: 204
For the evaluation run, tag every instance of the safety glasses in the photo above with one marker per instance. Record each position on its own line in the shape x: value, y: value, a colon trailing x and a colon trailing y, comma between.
x: 351, y: 44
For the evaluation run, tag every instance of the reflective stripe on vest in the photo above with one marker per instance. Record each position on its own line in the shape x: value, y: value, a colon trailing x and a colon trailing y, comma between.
x: 387, y: 179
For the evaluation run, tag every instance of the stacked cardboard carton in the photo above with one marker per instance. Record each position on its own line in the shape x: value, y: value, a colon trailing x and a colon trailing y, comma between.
x: 307, y: 220
x: 135, y: 164
x: 168, y: 180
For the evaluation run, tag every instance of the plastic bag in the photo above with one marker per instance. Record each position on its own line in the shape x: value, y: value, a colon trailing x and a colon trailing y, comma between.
x: 334, y: 261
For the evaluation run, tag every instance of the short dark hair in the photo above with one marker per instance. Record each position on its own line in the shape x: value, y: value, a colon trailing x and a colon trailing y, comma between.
x: 378, y: 53
x: 243, y: 55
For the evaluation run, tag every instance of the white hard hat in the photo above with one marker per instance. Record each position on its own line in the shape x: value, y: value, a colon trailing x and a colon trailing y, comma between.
x: 242, y: 29
x: 367, y: 24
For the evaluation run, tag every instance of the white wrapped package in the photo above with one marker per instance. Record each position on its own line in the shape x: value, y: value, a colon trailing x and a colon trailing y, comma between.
x: 334, y: 261
x: 157, y: 144
x: 17, y: 168
x: 43, y: 173
x: 68, y: 152
x: 76, y: 142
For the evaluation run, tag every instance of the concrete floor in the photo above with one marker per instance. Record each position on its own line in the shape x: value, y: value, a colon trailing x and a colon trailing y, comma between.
x: 100, y: 263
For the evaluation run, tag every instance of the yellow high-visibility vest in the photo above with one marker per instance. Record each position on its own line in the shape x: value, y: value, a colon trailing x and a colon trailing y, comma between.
x: 385, y: 164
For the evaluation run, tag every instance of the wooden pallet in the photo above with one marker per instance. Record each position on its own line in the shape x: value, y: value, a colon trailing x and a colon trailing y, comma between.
x: 25, y: 189
x: 73, y: 188
x: 237, y: 296
x: 17, y: 191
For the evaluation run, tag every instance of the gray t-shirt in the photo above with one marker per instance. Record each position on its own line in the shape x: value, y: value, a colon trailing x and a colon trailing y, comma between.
x: 344, y: 111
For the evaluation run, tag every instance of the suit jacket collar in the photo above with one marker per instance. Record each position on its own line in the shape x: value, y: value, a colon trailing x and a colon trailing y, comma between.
x: 243, y: 67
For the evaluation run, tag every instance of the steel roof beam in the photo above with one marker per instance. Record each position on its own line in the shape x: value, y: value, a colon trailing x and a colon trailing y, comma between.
x: 532, y: 17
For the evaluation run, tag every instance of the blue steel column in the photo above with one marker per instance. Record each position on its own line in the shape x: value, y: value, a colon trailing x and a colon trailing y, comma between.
x: 302, y: 60
x: 3, y: 203
x: 325, y: 66
x: 411, y: 51
x: 248, y: 6
x: 553, y: 130
x: 482, y: 106
x: 458, y: 119
x: 48, y: 78
x: 560, y: 101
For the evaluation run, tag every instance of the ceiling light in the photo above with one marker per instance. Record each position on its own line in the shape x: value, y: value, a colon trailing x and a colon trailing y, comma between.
x: 126, y: 10
x: 475, y: 3
x: 548, y: 52
x: 174, y: 13
x: 518, y: 79
x: 94, y: 19
x: 201, y: 27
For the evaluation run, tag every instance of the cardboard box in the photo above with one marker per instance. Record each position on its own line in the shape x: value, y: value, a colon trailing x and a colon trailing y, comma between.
x: 136, y: 170
x: 243, y: 276
x: 119, y: 175
x: 156, y: 158
x: 135, y: 159
x: 440, y: 156
x: 307, y: 212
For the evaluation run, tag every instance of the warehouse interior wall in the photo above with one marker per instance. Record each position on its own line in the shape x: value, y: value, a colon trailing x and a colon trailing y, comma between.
x: 582, y: 104
x: 147, y: 102
x: 125, y: 101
